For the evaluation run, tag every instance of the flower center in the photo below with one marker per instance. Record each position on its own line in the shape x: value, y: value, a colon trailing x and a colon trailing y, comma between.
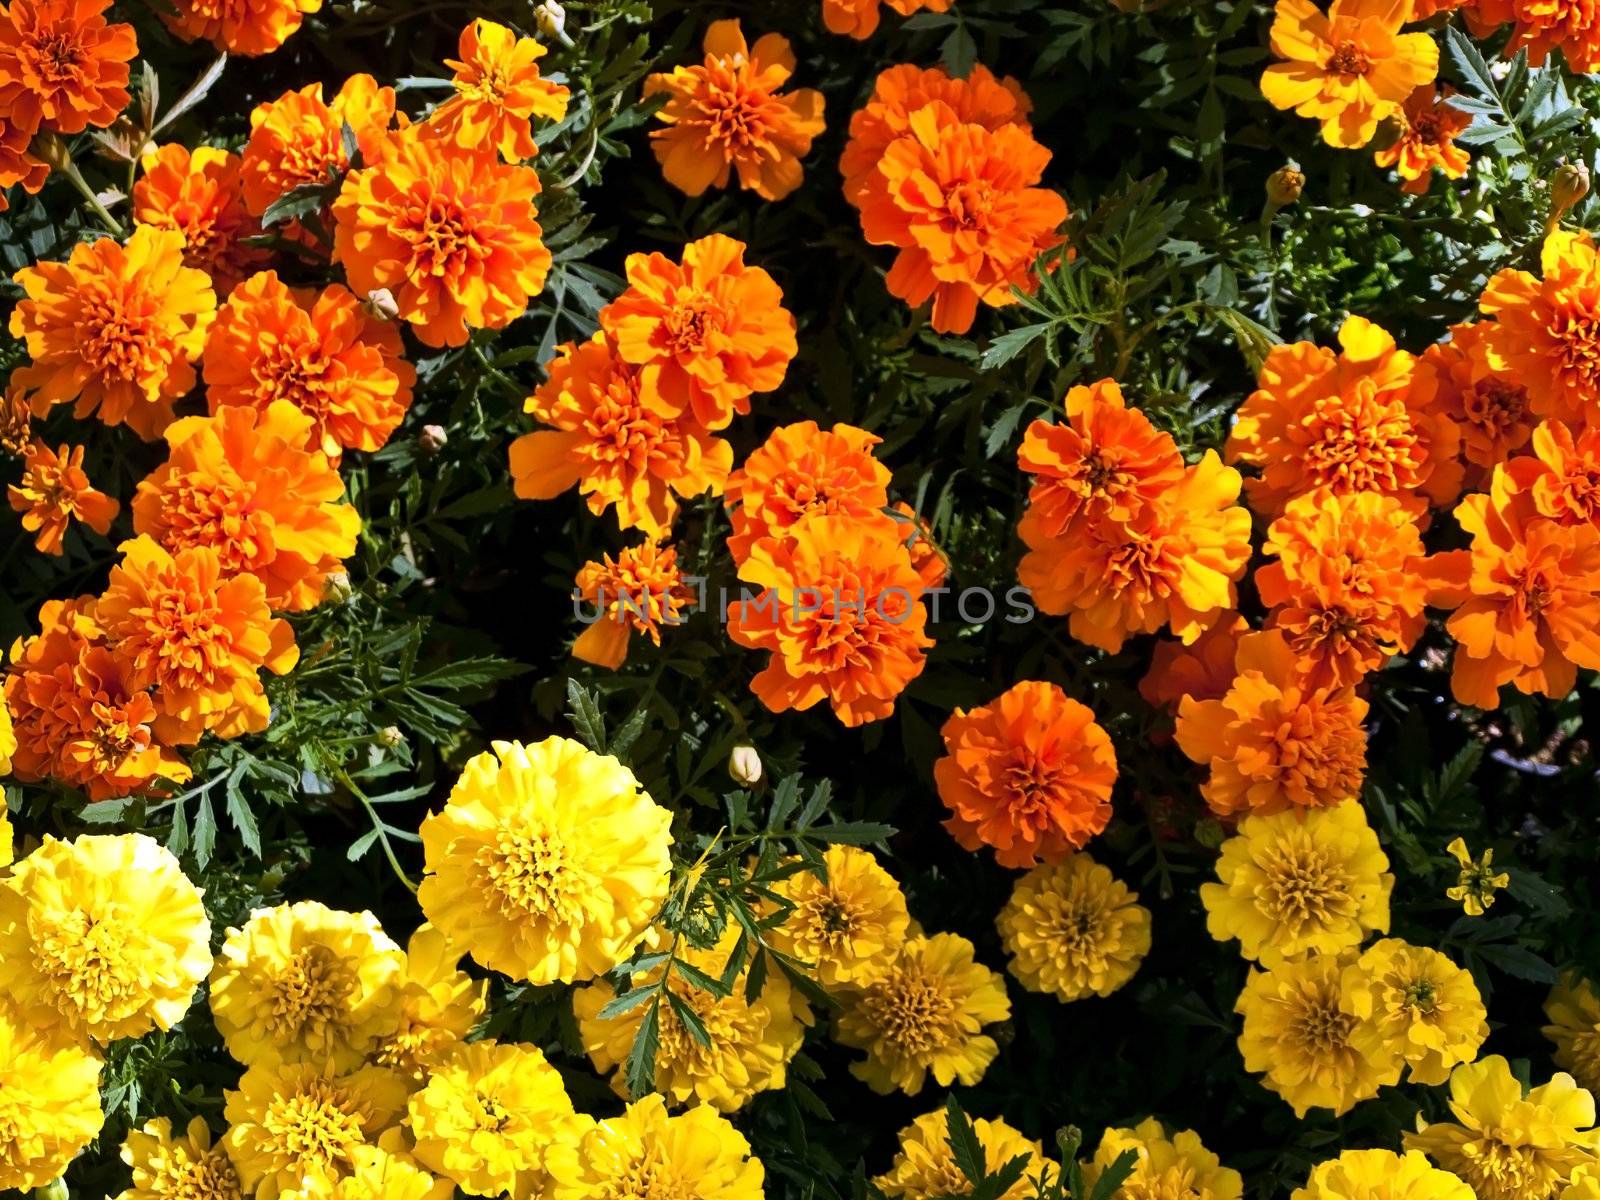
x: 90, y: 960
x: 444, y: 243
x: 116, y: 343
x: 1321, y: 1028
x: 534, y: 874
x: 1350, y: 60
x: 648, y: 1178
x: 1496, y: 405
x: 1367, y: 446
x: 310, y: 995
x: 911, y: 1012
x: 1303, y: 886
x: 312, y: 1129
x: 1578, y: 335
x: 56, y: 59
x: 969, y: 204
x: 689, y: 322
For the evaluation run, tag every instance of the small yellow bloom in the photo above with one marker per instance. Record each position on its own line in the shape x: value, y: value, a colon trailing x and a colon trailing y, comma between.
x: 849, y: 924
x: 1508, y: 1145
x: 295, y: 1125
x: 1175, y: 1167
x: 1413, y: 1003
x: 186, y: 1167
x: 437, y: 1007
x: 1299, y: 1037
x: 486, y: 1116
x: 1298, y: 882
x: 924, y: 1167
x: 382, y: 1172
x: 1381, y: 1175
x: 49, y: 1104
x: 1573, y: 1008
x: 1478, y: 882
x: 306, y: 983
x: 1074, y: 930
x: 102, y: 935
x: 925, y: 1015
x: 645, y: 1154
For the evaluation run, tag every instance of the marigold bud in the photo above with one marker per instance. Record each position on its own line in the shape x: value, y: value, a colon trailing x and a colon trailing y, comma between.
x: 391, y: 736
x: 51, y: 148
x: 337, y: 587
x: 1568, y: 185
x: 550, y: 19
x: 1284, y: 186
x: 432, y: 439
x: 56, y: 1189
x: 381, y: 304
x: 744, y: 764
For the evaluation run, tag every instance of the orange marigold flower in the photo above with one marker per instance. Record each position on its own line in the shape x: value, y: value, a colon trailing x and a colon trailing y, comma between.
x: 76, y: 718
x: 979, y: 99
x: 612, y: 441
x: 961, y: 203
x: 1029, y: 774
x: 116, y: 328
x: 708, y: 332
x: 453, y: 237
x: 16, y: 164
x: 1203, y: 669
x: 1546, y: 332
x: 62, y: 67
x: 1562, y: 475
x: 16, y: 422
x: 1175, y: 564
x: 1542, y: 27
x: 1347, y: 590
x: 836, y: 601
x: 859, y: 18
x: 242, y: 483
x: 1104, y: 460
x: 801, y: 470
x: 238, y: 26
x: 726, y: 115
x: 200, y: 194
x: 498, y: 93
x: 1489, y: 408
x: 298, y: 138
x: 54, y: 490
x: 1348, y: 69
x: 324, y: 353
x: 1421, y: 10
x: 1273, y: 742
x: 1348, y: 422
x: 1526, y: 597
x: 177, y: 624
x: 1426, y: 140
x: 638, y: 591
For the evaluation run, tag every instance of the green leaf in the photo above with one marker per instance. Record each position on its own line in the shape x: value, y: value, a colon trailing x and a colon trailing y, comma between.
x: 1469, y: 61
x: 854, y: 833
x: 965, y: 1148
x: 641, y: 1066
x: 689, y: 1019
x: 626, y: 1002
x: 588, y: 722
x: 1012, y: 343
x: 1114, y: 1176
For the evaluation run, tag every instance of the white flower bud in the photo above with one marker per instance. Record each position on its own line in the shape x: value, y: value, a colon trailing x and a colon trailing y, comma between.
x: 744, y: 764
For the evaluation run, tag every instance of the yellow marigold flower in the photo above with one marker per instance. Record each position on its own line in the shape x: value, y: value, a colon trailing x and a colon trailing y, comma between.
x: 62, y: 66
x: 645, y: 1154
x: 1415, y: 1004
x: 1381, y: 1175
x: 1543, y: 334
x: 547, y: 863
x: 727, y: 114
x: 1507, y: 1144
x: 1478, y: 881
x: 50, y: 1105
x: 1074, y: 930
x: 639, y: 591
x: 7, y: 836
x: 198, y: 638
x: 114, y: 328
x: 55, y: 491
x: 438, y: 1005
x: 1272, y: 742
x: 200, y: 193
x: 103, y: 935
x: 453, y: 237
x: 382, y: 1172
x: 299, y: 1125
x: 248, y: 27
x: 298, y: 138
x: 752, y: 1040
x: 848, y: 923
x: 487, y: 1115
x: 498, y: 93
x: 1426, y: 140
x: 1296, y: 1032
x: 924, y: 1015
x: 925, y: 1169
x: 242, y: 482
x: 1573, y: 1008
x: 306, y: 983
x: 182, y: 1167
x: 1299, y: 882
x: 1348, y: 422
x: 1168, y: 1167
x: 321, y: 351
x: 1349, y: 68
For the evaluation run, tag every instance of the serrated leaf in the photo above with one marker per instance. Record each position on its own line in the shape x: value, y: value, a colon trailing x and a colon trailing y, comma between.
x: 196, y: 92
x: 965, y: 1148
x: 853, y: 833
x: 588, y: 722
x: 1114, y: 1176
x: 689, y: 1019
x: 358, y: 848
x: 626, y: 1002
x: 640, y: 1075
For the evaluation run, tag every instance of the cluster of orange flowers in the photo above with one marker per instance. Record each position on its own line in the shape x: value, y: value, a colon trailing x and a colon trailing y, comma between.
x: 246, y: 518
